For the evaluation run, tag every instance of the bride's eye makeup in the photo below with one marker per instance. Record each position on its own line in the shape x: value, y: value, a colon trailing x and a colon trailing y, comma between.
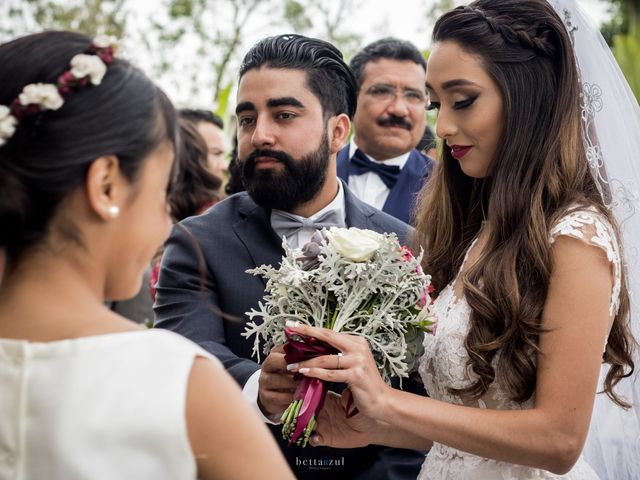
x: 459, y: 105
x: 467, y: 102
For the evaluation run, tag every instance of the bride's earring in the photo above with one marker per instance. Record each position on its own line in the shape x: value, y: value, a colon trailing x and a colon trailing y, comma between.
x: 113, y: 211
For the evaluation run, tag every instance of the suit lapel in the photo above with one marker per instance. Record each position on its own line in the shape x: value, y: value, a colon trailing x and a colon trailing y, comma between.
x: 342, y: 163
x: 253, y: 229
x: 400, y: 201
x: 358, y: 213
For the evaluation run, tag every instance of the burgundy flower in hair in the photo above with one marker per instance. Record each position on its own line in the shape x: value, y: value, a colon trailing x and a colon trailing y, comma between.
x: 102, y: 46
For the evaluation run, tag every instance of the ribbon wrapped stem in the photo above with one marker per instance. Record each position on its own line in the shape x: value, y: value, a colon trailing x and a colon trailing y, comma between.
x: 300, y: 418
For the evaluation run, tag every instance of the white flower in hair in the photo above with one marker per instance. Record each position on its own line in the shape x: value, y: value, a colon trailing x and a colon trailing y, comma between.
x: 83, y: 65
x: 45, y: 95
x: 7, y: 124
x: 104, y: 41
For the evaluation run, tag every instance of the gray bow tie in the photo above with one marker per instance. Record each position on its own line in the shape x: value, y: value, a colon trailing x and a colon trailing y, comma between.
x: 286, y: 224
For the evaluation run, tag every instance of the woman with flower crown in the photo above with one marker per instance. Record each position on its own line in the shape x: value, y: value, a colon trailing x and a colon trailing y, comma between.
x: 86, y: 156
x: 526, y: 258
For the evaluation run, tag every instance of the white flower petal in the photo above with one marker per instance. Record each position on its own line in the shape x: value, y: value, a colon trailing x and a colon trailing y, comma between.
x: 353, y: 243
x: 7, y: 126
x: 5, y: 112
x: 104, y: 41
x: 83, y: 65
x: 45, y: 95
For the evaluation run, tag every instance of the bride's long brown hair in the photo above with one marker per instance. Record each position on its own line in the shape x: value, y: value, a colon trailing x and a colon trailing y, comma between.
x: 540, y: 170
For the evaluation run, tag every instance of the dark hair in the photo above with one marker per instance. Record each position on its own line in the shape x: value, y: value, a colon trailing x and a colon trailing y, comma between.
x: 329, y: 77
x: 389, y: 48
x: 50, y: 153
x: 194, y: 185
x: 234, y: 180
x: 538, y: 173
x: 197, y: 115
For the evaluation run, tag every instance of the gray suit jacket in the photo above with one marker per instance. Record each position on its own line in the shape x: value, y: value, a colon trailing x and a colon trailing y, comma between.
x: 204, y: 291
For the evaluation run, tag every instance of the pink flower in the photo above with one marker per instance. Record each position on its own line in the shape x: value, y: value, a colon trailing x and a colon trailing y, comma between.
x: 407, y: 253
x: 106, y: 55
x: 425, y: 298
x: 153, y: 278
x: 433, y: 327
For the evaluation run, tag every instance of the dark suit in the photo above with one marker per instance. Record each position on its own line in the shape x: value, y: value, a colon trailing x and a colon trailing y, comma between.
x: 401, y: 200
x: 233, y: 236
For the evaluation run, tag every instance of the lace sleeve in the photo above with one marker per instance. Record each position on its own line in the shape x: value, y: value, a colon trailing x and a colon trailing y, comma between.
x: 591, y: 227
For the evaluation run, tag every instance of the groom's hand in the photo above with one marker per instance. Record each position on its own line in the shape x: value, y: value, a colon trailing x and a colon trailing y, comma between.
x: 275, y: 384
x: 336, y: 430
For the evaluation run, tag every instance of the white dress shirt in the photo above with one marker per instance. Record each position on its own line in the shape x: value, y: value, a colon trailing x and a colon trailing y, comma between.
x: 250, y: 389
x: 368, y: 187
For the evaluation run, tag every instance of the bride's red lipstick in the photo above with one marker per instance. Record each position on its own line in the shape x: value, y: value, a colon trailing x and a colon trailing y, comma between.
x: 459, y: 151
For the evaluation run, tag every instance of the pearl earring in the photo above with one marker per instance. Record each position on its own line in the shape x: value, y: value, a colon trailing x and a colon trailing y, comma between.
x: 113, y: 211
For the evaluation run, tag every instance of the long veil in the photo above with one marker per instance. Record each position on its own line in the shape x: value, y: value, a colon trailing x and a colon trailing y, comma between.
x: 611, y: 131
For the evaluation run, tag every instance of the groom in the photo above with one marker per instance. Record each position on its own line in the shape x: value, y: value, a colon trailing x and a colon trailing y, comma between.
x: 295, y: 100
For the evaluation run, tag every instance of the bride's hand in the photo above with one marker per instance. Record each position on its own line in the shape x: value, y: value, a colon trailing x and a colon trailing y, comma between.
x: 354, y: 366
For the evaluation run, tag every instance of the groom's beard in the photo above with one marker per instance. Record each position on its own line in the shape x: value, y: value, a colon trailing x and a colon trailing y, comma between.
x: 287, y: 188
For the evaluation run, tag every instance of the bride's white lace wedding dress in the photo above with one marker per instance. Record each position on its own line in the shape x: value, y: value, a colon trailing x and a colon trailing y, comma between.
x: 444, y: 365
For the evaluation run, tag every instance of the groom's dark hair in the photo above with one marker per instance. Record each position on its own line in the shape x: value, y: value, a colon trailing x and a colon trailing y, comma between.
x: 328, y: 76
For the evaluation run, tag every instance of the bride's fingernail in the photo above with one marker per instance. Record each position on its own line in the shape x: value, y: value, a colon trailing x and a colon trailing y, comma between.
x: 292, y: 366
x: 303, y: 370
x: 315, y: 440
x: 292, y: 323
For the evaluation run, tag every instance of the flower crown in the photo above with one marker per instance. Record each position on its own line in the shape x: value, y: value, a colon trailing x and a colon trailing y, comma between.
x: 86, y: 68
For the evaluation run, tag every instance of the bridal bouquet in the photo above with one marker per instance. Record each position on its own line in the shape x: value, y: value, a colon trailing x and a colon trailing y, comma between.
x: 348, y: 280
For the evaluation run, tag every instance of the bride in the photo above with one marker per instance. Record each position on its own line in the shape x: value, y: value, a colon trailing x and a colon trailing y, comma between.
x: 521, y: 227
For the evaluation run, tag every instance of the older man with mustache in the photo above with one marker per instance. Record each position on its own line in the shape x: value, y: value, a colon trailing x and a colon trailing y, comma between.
x: 381, y: 165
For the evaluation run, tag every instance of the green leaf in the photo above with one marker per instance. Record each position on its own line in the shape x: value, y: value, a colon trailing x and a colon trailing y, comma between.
x: 222, y: 106
x: 295, y: 15
x: 181, y: 8
x: 626, y: 49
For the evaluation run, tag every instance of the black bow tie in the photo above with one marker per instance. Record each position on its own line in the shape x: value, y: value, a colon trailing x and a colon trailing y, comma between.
x: 361, y: 164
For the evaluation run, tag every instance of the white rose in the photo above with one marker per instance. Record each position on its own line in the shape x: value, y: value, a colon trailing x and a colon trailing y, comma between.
x: 104, y: 41
x: 7, y: 124
x: 45, y: 95
x: 91, y: 66
x: 354, y: 243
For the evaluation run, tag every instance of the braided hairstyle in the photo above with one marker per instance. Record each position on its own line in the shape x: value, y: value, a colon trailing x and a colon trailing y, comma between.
x: 538, y: 172
x: 531, y: 36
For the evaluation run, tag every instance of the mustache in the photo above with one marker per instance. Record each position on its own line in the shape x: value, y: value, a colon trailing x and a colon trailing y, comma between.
x: 277, y: 155
x: 393, y: 121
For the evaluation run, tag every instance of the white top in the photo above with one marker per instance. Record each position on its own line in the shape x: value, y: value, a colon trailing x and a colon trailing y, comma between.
x: 102, y: 407
x: 444, y: 366
x: 368, y: 187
